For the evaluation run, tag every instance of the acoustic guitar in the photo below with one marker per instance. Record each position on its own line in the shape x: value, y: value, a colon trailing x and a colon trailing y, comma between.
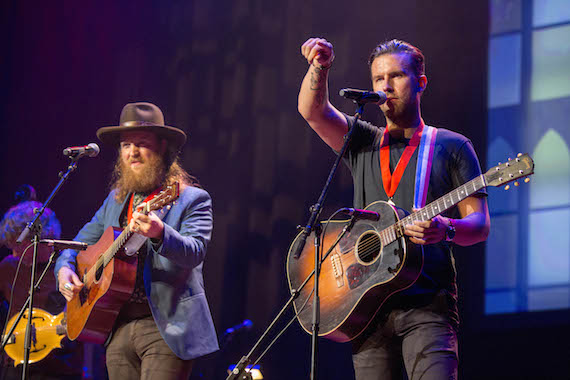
x: 108, y: 271
x: 47, y: 332
x: 375, y: 259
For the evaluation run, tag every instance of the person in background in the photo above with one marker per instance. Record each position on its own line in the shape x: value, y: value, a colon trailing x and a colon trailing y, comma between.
x: 64, y: 363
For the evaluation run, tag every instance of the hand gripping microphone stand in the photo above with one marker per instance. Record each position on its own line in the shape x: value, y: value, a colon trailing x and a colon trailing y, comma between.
x: 35, y: 228
x: 312, y: 225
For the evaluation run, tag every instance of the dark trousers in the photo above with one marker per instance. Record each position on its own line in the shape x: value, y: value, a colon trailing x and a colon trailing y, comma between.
x: 422, y: 341
x: 137, y: 351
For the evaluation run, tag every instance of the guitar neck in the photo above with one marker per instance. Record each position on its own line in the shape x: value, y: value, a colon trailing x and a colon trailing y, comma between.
x: 117, y: 245
x: 122, y: 239
x: 162, y: 199
x: 433, y: 209
x: 114, y: 248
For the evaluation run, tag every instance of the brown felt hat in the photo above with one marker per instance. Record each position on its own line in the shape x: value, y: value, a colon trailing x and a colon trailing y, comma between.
x: 142, y: 116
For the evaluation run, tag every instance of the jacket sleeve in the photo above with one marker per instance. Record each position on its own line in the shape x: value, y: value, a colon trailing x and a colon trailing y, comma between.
x: 90, y: 234
x: 187, y: 245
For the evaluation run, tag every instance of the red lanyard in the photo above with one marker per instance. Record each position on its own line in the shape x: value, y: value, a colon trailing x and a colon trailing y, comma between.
x: 130, y: 211
x: 390, y: 181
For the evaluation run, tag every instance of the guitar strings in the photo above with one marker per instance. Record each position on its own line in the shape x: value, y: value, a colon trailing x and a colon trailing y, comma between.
x: 371, y: 247
x: 117, y: 244
x: 113, y: 249
x: 395, y: 231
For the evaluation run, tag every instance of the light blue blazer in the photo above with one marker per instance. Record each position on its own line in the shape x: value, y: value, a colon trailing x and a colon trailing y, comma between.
x: 173, y: 278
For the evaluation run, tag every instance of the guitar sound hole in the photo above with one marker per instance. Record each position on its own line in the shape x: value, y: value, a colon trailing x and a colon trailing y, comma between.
x: 99, y: 272
x: 368, y: 247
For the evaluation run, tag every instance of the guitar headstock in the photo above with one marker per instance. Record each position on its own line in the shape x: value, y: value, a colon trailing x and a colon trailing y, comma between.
x: 513, y: 169
x: 165, y: 197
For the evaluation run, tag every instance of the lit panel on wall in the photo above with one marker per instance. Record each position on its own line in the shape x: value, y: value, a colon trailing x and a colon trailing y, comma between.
x: 505, y: 16
x: 550, y: 62
x: 502, y: 250
x: 550, y: 185
x: 548, y: 299
x: 501, y: 302
x: 528, y: 250
x: 548, y: 261
x: 548, y: 12
x: 504, y: 70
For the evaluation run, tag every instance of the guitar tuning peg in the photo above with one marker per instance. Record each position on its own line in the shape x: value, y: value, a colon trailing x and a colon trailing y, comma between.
x: 168, y: 207
x: 509, y: 158
x: 516, y: 183
x: 520, y: 154
x: 507, y: 187
x: 526, y: 180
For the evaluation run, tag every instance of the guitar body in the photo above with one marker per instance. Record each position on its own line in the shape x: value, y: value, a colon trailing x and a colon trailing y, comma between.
x: 357, y: 277
x: 92, y: 313
x: 47, y: 333
x: 374, y: 260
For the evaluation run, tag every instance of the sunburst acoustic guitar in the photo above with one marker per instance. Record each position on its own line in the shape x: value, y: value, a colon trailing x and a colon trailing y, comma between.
x: 375, y: 259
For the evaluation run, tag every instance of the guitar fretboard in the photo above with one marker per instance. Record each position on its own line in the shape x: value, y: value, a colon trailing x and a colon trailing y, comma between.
x: 396, y: 230
x: 109, y: 254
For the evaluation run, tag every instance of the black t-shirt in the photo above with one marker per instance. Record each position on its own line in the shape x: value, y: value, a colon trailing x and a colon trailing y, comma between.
x: 454, y: 163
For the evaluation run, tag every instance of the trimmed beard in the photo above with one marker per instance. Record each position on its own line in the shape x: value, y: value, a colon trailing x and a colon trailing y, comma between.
x: 149, y: 178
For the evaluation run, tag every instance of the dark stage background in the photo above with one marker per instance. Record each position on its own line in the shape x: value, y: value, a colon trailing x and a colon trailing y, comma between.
x: 228, y: 72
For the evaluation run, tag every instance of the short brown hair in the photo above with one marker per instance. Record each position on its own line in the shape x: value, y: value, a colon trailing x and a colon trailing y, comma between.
x: 417, y: 60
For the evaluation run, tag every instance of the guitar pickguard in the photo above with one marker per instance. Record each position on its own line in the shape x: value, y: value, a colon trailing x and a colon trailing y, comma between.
x: 357, y: 274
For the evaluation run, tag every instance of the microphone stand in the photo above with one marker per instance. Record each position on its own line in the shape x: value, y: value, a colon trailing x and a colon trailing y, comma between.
x: 35, y: 228
x: 8, y: 335
x: 312, y: 225
x: 238, y: 371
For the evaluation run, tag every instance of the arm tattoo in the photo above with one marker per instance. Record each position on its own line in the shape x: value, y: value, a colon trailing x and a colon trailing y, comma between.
x: 318, y: 84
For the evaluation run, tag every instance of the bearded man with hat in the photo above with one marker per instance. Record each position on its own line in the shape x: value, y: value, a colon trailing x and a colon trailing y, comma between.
x: 166, y: 323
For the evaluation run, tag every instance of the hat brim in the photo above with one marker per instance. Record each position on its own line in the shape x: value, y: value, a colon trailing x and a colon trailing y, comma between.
x: 112, y: 135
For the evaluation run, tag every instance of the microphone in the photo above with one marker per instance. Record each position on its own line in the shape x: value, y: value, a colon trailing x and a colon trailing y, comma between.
x: 361, y: 214
x: 362, y: 96
x: 90, y: 150
x: 65, y: 244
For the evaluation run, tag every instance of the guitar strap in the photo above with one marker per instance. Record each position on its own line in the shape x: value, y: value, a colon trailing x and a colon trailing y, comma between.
x: 391, y: 181
x: 424, y: 137
x: 131, y: 203
x: 423, y: 167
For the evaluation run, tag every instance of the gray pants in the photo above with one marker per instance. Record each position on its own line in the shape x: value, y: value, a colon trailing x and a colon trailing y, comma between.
x: 420, y: 340
x: 137, y: 351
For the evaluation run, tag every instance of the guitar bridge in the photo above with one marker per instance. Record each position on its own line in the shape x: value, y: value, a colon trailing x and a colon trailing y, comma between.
x: 337, y: 270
